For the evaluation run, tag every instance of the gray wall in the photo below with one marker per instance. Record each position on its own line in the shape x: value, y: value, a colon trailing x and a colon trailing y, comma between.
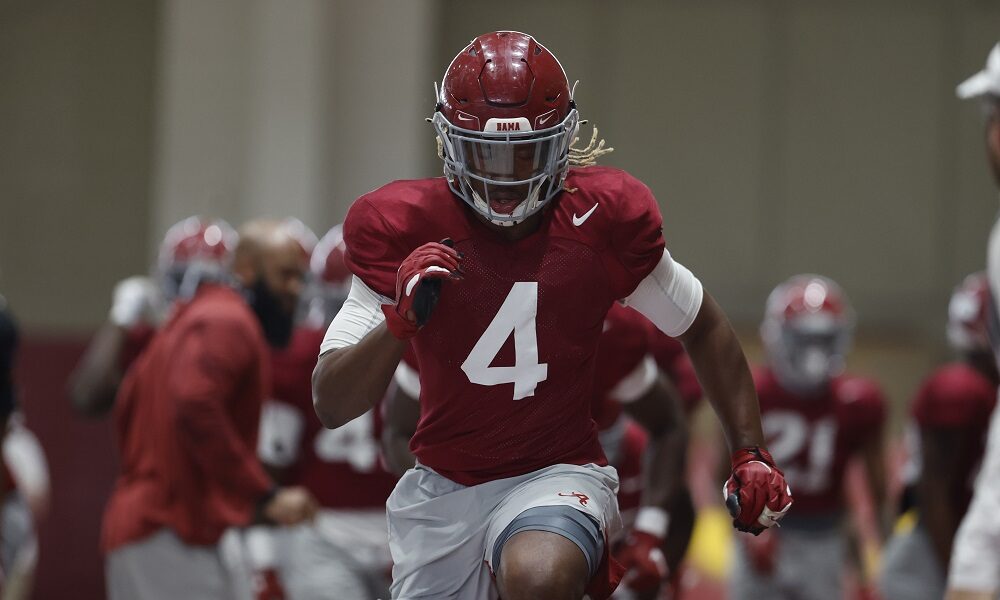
x: 76, y: 102
x: 783, y: 137
x: 779, y: 136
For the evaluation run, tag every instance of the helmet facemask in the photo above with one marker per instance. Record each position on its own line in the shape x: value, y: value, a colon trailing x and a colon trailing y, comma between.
x: 506, y: 176
x: 808, y: 351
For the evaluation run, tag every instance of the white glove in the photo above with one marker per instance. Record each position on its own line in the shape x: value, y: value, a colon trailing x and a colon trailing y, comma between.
x: 136, y: 299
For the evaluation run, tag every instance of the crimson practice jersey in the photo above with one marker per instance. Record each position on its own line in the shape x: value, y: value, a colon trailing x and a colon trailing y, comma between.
x: 812, y: 438
x: 342, y: 466
x: 958, y: 397
x: 507, y: 358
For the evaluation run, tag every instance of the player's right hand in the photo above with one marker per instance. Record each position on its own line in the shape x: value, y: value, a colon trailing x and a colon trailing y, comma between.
x: 290, y: 506
x: 756, y: 493
x: 418, y: 286
x: 267, y: 585
x: 644, y: 562
x: 134, y: 300
x: 762, y: 551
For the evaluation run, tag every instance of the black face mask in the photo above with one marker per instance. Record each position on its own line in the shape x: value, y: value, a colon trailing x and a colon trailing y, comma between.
x: 276, y: 322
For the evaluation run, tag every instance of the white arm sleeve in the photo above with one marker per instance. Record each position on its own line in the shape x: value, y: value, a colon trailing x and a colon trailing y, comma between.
x: 975, y: 557
x: 635, y: 385
x: 280, y: 433
x: 362, y: 312
x: 670, y: 296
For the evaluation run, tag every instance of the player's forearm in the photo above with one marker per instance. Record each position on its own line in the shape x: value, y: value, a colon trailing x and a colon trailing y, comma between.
x: 668, y: 455
x: 725, y: 377
x: 348, y: 381
x: 939, y: 518
x: 94, y: 383
x: 876, y: 478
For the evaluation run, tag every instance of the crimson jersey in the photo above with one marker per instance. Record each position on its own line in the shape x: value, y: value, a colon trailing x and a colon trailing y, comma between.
x: 958, y: 397
x: 812, y: 438
x: 341, y: 467
x: 507, y: 358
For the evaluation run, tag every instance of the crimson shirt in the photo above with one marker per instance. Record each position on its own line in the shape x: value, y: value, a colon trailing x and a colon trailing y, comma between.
x: 186, y: 419
x: 555, y: 287
x: 812, y: 438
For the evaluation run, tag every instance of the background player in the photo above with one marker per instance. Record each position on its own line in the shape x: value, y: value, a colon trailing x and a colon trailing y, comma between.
x: 974, y: 573
x: 193, y: 251
x: 815, y: 420
x: 187, y: 418
x: 345, y: 552
x: 950, y: 414
x: 506, y: 445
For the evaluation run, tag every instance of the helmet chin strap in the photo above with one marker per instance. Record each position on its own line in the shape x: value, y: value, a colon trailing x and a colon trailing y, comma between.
x: 524, y: 206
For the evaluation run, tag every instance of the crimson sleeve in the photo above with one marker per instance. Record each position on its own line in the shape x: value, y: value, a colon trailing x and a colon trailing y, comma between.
x: 373, y: 251
x: 637, y: 237
x: 214, y: 361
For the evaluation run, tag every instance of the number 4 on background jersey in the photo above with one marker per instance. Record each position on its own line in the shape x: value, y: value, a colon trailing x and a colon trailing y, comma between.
x: 517, y: 316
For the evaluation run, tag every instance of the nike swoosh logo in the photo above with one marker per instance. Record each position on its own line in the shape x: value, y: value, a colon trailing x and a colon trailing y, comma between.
x: 462, y: 117
x: 544, y: 120
x: 580, y: 220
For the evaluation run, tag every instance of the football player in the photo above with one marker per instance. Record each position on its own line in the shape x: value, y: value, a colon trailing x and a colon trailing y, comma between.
x: 193, y: 251
x: 642, y: 430
x: 500, y: 275
x: 24, y: 506
x: 187, y: 419
x: 345, y: 552
x: 950, y: 413
x: 816, y: 419
x: 974, y: 573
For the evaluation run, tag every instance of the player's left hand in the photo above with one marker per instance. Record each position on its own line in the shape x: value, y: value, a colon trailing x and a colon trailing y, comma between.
x: 267, y: 585
x: 756, y: 493
x: 644, y: 562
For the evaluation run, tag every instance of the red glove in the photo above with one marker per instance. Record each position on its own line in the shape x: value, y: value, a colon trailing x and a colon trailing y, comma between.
x: 267, y: 585
x: 418, y: 286
x: 756, y: 493
x: 762, y: 551
x: 644, y: 562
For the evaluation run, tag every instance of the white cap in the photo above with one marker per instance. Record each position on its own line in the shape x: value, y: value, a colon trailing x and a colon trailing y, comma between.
x: 985, y: 82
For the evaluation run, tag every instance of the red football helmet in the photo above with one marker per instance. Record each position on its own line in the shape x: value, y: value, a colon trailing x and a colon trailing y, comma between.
x: 807, y: 330
x: 193, y: 251
x: 505, y: 119
x: 331, y: 279
x: 967, y: 310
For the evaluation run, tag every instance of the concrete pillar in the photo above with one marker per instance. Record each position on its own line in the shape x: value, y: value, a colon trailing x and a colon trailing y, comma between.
x: 289, y: 108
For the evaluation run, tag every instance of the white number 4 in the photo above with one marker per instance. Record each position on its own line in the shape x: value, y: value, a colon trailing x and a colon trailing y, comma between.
x: 517, y: 315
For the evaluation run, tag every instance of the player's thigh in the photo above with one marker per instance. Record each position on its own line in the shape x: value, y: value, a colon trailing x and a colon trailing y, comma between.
x: 910, y: 568
x: 745, y: 582
x: 316, y: 569
x: 810, y: 563
x: 162, y: 567
x: 437, y: 536
x: 576, y: 503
